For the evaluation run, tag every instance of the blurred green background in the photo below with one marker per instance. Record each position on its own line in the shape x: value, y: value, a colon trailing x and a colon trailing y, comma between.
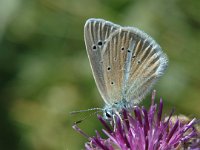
x: 45, y: 73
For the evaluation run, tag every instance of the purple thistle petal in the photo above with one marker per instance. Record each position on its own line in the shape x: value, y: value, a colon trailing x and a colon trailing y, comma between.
x: 110, y: 136
x: 189, y: 136
x: 97, y: 134
x: 190, y: 124
x: 167, y: 122
x: 87, y: 146
x: 138, y: 115
x: 146, y: 127
x: 160, y: 111
x: 104, y: 124
x: 146, y: 122
x: 120, y: 134
x: 103, y: 147
x: 172, y: 131
x: 126, y: 118
x: 75, y: 127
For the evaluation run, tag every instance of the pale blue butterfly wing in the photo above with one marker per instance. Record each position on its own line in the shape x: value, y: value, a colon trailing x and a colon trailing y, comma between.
x: 126, y: 62
x: 135, y: 62
x: 96, y: 33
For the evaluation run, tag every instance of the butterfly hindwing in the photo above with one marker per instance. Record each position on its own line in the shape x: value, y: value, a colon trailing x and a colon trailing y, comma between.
x: 132, y: 62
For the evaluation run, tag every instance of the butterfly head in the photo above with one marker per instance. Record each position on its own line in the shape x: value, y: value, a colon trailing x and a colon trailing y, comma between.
x: 108, y: 113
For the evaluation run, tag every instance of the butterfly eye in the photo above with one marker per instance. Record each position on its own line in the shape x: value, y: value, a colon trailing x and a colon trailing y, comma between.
x: 129, y: 50
x: 100, y: 43
x: 112, y: 83
x: 122, y: 48
x: 109, y: 68
x: 108, y: 115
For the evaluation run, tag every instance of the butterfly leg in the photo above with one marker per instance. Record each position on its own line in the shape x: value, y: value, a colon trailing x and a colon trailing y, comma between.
x: 118, y: 114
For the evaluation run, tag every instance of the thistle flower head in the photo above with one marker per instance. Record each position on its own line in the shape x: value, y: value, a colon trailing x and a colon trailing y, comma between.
x: 144, y: 129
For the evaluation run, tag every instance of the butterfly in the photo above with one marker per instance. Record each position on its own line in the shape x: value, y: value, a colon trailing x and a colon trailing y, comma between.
x: 125, y: 62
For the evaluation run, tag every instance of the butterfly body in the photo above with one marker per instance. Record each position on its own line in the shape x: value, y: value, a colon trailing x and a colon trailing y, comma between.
x: 125, y: 62
x: 110, y: 110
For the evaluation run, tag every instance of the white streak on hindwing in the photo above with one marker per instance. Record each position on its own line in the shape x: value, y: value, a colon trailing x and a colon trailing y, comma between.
x: 128, y: 62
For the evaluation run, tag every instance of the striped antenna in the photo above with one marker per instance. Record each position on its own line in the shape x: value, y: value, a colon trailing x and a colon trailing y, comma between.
x: 87, y: 110
x: 79, y: 121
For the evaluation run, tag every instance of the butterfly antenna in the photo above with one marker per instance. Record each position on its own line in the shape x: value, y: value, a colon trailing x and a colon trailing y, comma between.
x: 79, y: 121
x: 80, y: 111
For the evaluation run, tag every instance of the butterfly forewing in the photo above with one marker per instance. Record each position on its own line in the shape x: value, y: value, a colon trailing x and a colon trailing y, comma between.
x: 132, y: 62
x: 96, y: 33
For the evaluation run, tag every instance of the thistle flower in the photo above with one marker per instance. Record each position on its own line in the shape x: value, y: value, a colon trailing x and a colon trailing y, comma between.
x: 145, y: 130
